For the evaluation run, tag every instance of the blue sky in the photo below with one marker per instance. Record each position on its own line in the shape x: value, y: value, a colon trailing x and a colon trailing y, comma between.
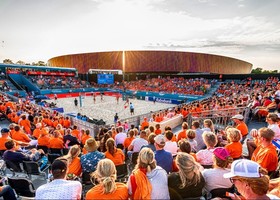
x: 33, y: 30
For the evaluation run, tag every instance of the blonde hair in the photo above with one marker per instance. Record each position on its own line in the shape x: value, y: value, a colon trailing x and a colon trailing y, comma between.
x: 146, y: 159
x: 233, y: 134
x: 209, y: 124
x: 74, y: 152
x: 105, y: 174
x: 209, y: 138
x: 188, y: 170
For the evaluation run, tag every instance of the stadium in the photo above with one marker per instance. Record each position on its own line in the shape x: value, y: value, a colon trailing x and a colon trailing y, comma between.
x: 151, y: 62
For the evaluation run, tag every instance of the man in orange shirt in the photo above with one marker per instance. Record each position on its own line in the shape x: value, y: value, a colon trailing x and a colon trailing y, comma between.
x: 37, y: 131
x: 20, y: 135
x: 76, y: 132
x: 144, y: 124
x: 265, y: 154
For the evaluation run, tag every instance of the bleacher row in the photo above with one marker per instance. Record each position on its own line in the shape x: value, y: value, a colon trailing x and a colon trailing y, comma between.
x: 192, y: 110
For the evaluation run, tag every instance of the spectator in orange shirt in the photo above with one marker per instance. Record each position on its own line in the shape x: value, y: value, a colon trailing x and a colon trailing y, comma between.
x: 56, y: 142
x: 85, y: 137
x: 74, y: 163
x: 26, y: 124
x: 144, y: 124
x: 76, y: 132
x: 60, y: 129
x: 157, y: 131
x: 113, y: 153
x: 37, y: 130
x: 234, y: 147
x: 66, y: 122
x: 129, y: 139
x: 183, y: 134
x: 240, y: 125
x: 107, y: 188
x: 19, y: 135
x: 44, y: 139
x: 265, y: 154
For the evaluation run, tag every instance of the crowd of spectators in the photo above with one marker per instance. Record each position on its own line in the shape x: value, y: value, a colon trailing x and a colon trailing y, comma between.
x: 200, y: 165
x: 198, y: 86
x: 58, y: 82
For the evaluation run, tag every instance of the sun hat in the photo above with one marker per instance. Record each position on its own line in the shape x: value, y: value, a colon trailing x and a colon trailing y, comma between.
x: 159, y: 139
x: 240, y: 117
x: 221, y: 153
x: 244, y: 168
x: 91, y: 145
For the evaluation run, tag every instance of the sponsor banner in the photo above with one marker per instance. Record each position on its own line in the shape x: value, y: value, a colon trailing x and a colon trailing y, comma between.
x: 51, y: 73
x: 163, y: 100
x: 13, y: 72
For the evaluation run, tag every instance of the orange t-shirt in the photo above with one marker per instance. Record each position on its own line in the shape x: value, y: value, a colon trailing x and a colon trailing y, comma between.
x: 37, y: 133
x: 96, y: 192
x: 84, y: 138
x: 182, y: 135
x: 20, y: 136
x: 266, y: 157
x: 243, y: 128
x: 66, y: 123
x: 157, y: 131
x: 3, y: 140
x: 75, y: 167
x: 118, y: 157
x: 127, y: 142
x: 56, y: 143
x: 26, y: 125
x: 234, y: 149
x: 44, y: 141
x: 144, y: 124
x: 76, y: 133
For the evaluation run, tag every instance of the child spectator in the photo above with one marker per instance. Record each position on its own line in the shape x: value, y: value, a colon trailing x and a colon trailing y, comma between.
x: 191, y: 135
x: 234, y: 147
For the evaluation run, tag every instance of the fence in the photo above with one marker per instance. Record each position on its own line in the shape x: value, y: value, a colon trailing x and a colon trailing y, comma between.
x: 221, y: 118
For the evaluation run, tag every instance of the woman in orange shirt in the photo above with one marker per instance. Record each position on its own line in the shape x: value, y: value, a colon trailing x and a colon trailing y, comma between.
x: 113, y: 153
x: 107, y: 188
x: 183, y: 134
x: 74, y: 167
x: 44, y: 139
x: 234, y: 147
x: 26, y: 124
x: 129, y: 139
x: 56, y: 142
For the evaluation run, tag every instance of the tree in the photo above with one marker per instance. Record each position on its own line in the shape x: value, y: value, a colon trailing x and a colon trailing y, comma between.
x: 20, y: 62
x: 8, y: 61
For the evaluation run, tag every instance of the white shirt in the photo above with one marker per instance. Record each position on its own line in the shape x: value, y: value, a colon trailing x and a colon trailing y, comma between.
x: 276, y: 130
x: 214, y: 179
x: 137, y: 144
x: 120, y: 137
x: 59, y: 189
x: 171, y: 147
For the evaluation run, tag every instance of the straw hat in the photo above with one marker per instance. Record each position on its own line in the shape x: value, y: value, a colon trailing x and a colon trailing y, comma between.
x: 91, y: 145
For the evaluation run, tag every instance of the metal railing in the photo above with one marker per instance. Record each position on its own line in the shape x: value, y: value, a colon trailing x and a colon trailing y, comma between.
x: 220, y: 118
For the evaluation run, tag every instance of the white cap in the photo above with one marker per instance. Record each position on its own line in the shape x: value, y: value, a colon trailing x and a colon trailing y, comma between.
x: 244, y: 168
x: 240, y: 117
x: 159, y: 139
